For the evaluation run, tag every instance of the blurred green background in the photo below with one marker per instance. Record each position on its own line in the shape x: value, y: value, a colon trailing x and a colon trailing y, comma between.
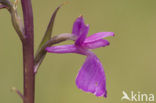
x: 129, y: 61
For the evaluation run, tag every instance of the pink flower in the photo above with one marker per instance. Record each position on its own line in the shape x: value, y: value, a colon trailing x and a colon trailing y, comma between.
x: 91, y: 77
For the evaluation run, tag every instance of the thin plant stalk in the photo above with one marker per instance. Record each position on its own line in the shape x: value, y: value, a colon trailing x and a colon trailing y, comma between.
x: 28, y: 52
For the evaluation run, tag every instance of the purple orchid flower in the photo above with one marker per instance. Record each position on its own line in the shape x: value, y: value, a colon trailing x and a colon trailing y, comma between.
x: 91, y: 77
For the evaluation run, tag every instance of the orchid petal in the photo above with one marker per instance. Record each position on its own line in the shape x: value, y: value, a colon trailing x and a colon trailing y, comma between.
x: 95, y: 44
x: 82, y: 36
x: 91, y: 77
x: 77, y: 26
x: 62, y: 49
x: 98, y: 36
x: 80, y: 29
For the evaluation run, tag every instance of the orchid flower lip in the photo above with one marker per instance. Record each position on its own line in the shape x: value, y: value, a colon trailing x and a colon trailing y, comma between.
x: 91, y: 77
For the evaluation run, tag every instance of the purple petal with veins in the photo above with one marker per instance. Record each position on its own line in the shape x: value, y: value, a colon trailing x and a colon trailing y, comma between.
x: 98, y: 36
x: 82, y: 36
x: 62, y: 49
x: 91, y: 77
x: 95, y: 44
x: 78, y: 25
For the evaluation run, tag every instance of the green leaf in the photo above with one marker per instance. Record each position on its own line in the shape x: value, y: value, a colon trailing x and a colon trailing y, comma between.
x: 40, y: 55
x: 49, y: 30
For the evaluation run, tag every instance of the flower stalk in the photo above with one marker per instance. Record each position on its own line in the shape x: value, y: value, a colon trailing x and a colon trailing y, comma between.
x: 28, y: 52
x: 25, y: 31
